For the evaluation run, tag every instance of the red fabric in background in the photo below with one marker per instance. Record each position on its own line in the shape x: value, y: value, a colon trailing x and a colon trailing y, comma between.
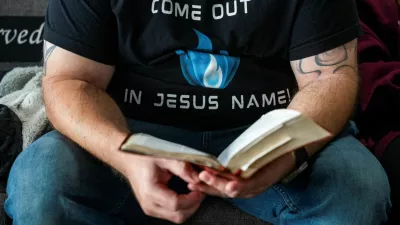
x: 379, y: 52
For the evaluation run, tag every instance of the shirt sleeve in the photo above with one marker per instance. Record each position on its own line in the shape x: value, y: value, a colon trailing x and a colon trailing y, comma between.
x: 84, y: 27
x: 322, y: 25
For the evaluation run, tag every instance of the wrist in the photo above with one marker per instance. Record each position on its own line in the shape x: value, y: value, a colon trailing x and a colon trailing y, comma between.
x: 119, y: 139
x: 120, y: 160
x: 300, y: 159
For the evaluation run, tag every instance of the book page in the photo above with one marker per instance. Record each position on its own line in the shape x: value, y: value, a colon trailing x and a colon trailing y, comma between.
x: 148, y: 145
x: 265, y: 151
x: 151, y: 142
x: 302, y: 131
x: 263, y: 127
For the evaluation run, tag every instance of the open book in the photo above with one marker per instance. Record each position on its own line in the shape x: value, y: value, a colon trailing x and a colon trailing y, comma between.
x: 273, y: 135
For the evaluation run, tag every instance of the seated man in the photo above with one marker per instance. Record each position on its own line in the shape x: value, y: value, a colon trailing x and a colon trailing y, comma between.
x: 196, y: 73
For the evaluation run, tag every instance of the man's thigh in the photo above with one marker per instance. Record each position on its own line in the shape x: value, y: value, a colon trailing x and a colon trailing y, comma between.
x: 72, y: 185
x: 54, y: 181
x: 345, y: 184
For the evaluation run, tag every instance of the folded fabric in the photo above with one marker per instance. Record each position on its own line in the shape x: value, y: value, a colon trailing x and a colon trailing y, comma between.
x: 16, y: 79
x: 379, y: 55
x: 21, y: 92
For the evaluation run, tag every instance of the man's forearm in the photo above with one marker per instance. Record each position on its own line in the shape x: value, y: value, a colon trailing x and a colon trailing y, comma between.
x: 87, y: 115
x: 329, y: 101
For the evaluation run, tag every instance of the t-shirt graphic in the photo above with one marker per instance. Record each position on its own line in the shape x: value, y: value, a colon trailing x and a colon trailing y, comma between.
x: 203, y: 68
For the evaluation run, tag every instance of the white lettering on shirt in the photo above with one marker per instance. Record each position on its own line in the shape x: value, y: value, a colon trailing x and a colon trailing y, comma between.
x: 218, y: 11
x: 245, y: 5
x: 183, y: 12
x: 133, y: 95
x: 194, y: 12
x: 167, y: 9
x: 153, y: 6
x: 173, y: 101
x: 211, y: 102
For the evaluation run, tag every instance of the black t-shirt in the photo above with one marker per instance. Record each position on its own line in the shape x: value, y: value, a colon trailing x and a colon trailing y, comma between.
x: 200, y: 64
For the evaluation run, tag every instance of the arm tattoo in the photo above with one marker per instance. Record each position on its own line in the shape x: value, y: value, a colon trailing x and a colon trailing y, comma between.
x: 48, y: 48
x: 337, y: 59
x: 332, y: 57
x: 301, y: 70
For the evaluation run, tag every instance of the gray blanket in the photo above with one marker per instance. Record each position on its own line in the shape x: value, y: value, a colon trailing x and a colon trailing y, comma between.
x: 20, y: 90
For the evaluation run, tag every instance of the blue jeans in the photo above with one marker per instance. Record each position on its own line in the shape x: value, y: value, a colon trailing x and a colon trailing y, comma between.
x: 54, y: 182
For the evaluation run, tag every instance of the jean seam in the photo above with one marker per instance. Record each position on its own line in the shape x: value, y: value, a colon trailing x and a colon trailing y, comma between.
x: 119, y: 205
x: 286, y: 198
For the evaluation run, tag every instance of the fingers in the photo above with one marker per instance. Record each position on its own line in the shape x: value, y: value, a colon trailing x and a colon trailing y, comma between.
x: 263, y: 179
x: 156, y: 199
x: 204, y: 188
x: 181, y: 169
x: 170, y: 200
x: 163, y: 203
x: 187, y: 201
x: 227, y: 175
x: 214, y: 181
x: 236, y: 188
x: 244, y: 189
x: 223, y: 187
x: 177, y: 217
x: 215, y: 185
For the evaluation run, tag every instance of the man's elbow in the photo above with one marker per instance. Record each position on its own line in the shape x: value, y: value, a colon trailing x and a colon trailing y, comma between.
x: 55, y: 97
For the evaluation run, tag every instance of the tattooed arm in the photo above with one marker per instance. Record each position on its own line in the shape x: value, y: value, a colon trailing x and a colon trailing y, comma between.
x: 48, y: 48
x: 328, y: 87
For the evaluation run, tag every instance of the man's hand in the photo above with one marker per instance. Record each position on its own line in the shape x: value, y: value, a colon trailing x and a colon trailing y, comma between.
x: 149, y: 178
x: 241, y: 188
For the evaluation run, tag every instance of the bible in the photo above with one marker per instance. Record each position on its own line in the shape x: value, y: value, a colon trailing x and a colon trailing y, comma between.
x: 273, y: 135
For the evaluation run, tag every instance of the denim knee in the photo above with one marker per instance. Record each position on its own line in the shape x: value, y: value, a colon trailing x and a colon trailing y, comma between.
x: 360, y: 185
x: 345, y: 185
x: 38, y: 178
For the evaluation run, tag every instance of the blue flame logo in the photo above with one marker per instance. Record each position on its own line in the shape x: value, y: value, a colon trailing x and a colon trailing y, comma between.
x: 206, y: 69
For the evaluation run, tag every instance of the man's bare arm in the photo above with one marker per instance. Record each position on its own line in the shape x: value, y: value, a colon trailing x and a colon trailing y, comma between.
x: 78, y: 106
x: 48, y: 49
x: 328, y: 87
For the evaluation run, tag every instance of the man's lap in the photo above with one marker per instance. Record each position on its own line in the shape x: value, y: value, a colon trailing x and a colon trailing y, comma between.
x: 344, y: 184
x: 340, y: 172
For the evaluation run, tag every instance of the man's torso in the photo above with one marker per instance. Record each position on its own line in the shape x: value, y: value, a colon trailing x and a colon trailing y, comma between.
x: 202, y: 64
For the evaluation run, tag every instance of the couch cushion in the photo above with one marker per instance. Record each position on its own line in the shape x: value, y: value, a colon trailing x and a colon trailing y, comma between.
x: 23, y: 7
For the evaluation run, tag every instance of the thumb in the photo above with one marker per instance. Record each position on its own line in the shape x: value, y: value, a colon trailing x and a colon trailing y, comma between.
x: 183, y: 170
